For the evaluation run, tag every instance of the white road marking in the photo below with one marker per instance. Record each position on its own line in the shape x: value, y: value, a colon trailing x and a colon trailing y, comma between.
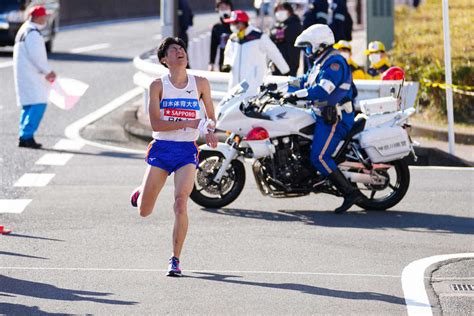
x: 68, y: 144
x: 6, y: 64
x: 205, y: 271
x: 34, y: 180
x: 73, y: 131
x: 413, y: 283
x: 89, y: 48
x: 13, y: 206
x: 54, y: 159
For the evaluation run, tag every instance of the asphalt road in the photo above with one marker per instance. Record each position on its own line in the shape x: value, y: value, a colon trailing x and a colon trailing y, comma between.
x: 79, y: 248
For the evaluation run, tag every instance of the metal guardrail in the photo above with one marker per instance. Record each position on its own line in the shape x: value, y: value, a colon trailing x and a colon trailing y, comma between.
x: 149, y: 69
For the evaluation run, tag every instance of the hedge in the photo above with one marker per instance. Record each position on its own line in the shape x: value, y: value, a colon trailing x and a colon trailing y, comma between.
x: 419, y: 50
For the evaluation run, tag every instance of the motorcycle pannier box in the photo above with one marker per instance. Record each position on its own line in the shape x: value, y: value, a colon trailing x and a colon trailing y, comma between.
x: 379, y: 105
x: 383, y: 144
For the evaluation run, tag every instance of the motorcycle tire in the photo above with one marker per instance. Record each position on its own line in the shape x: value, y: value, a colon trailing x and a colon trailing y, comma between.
x: 400, y: 188
x: 235, y: 173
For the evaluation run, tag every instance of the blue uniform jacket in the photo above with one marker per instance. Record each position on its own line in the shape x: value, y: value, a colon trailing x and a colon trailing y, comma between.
x: 333, y: 82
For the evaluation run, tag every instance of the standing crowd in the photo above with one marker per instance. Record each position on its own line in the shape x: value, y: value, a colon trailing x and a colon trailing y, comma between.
x: 234, y: 39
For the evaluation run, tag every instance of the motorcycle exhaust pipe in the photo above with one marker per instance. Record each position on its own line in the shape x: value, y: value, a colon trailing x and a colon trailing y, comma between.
x: 360, y: 177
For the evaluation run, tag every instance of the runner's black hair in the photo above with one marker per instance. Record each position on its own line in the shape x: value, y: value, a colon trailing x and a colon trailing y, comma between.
x: 167, y: 42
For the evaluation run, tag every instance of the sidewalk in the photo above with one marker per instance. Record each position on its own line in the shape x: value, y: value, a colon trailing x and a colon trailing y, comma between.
x: 451, y: 283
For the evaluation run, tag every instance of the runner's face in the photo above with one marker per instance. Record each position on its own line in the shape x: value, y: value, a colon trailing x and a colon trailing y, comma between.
x: 176, y: 56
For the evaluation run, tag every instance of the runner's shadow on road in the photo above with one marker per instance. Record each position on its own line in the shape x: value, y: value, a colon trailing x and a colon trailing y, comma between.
x: 14, y: 286
x: 303, y: 288
x: 17, y: 309
x: 403, y: 220
x: 64, y: 56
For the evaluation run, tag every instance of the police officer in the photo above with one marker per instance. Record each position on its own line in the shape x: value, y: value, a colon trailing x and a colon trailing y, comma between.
x: 329, y: 86
x: 378, y: 60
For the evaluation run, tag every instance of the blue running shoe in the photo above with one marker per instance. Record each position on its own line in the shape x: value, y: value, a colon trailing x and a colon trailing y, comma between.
x: 173, y: 268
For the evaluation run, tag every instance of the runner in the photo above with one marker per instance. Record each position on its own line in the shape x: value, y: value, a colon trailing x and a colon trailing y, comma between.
x: 175, y: 104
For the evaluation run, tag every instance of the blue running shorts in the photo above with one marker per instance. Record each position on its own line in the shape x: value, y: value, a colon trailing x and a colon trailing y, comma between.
x: 171, y: 155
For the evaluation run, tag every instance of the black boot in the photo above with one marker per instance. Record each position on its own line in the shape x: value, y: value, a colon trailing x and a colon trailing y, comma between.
x: 28, y: 143
x: 351, y: 194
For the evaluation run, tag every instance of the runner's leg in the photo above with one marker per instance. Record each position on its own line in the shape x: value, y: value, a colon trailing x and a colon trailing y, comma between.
x: 183, y: 185
x: 153, y: 182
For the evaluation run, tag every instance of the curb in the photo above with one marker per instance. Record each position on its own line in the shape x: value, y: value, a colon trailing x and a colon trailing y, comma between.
x: 441, y: 134
x: 427, y: 156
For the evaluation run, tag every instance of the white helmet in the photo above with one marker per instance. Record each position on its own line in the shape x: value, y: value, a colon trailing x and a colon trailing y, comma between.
x: 315, y: 36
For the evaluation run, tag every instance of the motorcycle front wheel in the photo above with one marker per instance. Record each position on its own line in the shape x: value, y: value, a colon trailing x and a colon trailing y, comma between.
x: 384, y: 196
x: 209, y: 194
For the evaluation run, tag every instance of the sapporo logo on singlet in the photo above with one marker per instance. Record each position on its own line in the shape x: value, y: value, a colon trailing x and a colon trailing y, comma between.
x: 178, y: 109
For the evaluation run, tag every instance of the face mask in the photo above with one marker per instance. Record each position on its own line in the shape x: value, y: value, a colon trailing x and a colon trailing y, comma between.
x: 224, y: 14
x: 281, y: 15
x: 234, y: 28
x: 346, y: 55
x: 39, y: 26
x: 375, y: 58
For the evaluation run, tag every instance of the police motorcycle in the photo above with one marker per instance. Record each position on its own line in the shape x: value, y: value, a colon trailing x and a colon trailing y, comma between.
x: 277, y: 138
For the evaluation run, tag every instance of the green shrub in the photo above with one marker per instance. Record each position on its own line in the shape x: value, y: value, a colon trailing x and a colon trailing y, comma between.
x: 419, y: 50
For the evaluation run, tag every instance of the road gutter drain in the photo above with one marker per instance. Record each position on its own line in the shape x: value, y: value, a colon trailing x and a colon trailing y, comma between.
x: 462, y: 287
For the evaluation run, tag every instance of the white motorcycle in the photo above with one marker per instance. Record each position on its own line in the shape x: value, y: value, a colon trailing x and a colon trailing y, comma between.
x: 278, y: 138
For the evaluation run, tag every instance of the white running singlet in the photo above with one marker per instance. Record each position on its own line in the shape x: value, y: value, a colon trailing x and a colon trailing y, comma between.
x: 177, y: 105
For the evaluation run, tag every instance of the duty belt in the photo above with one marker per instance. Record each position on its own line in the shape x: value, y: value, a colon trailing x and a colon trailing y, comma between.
x: 346, y: 106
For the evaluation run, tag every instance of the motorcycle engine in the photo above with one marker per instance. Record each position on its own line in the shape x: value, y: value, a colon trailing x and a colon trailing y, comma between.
x: 292, y: 161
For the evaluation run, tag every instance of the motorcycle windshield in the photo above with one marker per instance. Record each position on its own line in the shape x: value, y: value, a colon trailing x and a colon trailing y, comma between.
x: 242, y: 87
x: 237, y: 90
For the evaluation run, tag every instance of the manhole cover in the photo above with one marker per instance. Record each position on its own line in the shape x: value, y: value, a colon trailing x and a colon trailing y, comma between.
x: 462, y: 287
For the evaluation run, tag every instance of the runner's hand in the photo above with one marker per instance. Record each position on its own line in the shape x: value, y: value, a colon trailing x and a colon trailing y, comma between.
x: 51, y: 76
x: 211, y: 140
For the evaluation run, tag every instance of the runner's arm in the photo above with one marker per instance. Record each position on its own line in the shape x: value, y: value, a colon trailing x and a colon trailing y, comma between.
x: 205, y: 94
x: 157, y: 124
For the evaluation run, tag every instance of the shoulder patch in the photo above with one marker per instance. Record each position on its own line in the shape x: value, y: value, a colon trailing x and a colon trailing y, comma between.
x: 335, y: 66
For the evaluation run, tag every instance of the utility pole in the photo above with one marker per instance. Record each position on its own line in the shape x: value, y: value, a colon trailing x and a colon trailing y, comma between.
x: 447, y: 70
x: 168, y: 18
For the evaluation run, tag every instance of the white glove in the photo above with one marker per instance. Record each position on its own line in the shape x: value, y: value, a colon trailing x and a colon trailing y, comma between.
x: 206, y: 126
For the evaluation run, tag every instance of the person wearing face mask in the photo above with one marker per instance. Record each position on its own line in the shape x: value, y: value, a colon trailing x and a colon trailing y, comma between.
x: 32, y: 75
x: 284, y: 33
x: 220, y: 33
x: 345, y: 48
x: 246, y: 53
x: 378, y: 60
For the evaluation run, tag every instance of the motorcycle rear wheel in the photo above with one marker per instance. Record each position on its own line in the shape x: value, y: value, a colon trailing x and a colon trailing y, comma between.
x: 389, y: 195
x: 212, y: 195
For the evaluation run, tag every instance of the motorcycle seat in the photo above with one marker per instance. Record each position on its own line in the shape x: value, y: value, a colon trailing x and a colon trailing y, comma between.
x: 358, y: 127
